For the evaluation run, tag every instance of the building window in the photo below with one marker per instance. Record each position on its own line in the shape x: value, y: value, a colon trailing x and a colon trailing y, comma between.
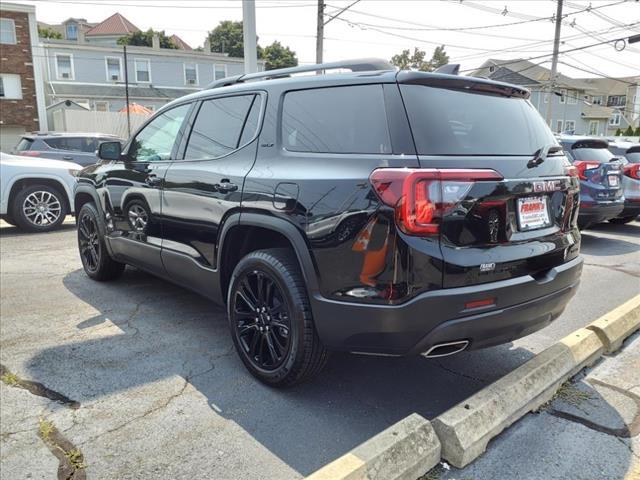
x: 572, y: 97
x: 114, y: 69
x: 614, y: 121
x: 559, y: 124
x: 10, y: 87
x: 219, y: 71
x: 7, y: 31
x: 190, y: 74
x: 616, y: 100
x: 593, y: 127
x: 143, y: 70
x: 563, y: 95
x: 570, y: 126
x: 72, y: 31
x: 596, y: 100
x: 101, y: 106
x: 64, y: 67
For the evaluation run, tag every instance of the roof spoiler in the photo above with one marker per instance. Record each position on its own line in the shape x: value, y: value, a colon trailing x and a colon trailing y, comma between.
x: 357, y: 65
x: 449, y: 69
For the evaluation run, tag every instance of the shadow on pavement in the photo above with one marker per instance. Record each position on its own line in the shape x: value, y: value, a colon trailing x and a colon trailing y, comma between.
x: 170, y: 331
x: 11, y: 231
x: 606, y: 246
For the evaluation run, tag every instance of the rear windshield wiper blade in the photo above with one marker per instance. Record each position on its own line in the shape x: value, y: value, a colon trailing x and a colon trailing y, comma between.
x: 541, y: 155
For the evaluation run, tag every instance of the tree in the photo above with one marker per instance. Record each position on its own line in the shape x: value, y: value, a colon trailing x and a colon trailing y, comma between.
x: 278, y: 56
x: 46, y: 32
x: 416, y: 61
x: 227, y: 38
x: 618, y: 132
x: 145, y: 39
x: 637, y: 134
x: 629, y: 131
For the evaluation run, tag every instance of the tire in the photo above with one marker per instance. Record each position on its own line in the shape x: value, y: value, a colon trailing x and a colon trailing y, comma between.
x: 622, y: 220
x: 38, y: 208
x: 280, y: 314
x: 96, y: 261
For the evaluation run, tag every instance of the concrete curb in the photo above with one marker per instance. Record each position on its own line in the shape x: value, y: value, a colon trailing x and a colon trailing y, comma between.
x: 613, y: 327
x: 403, y: 451
x: 466, y: 429
x: 414, y: 445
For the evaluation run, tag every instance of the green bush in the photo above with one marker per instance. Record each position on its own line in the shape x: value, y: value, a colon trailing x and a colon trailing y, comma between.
x: 618, y: 132
x: 629, y: 131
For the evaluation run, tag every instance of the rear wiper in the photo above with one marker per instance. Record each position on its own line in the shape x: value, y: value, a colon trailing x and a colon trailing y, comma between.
x: 541, y: 155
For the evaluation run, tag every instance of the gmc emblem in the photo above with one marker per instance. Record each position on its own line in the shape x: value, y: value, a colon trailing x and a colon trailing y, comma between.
x: 547, y: 186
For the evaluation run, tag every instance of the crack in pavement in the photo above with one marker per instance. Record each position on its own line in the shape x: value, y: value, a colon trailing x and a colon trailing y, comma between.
x: 70, y: 458
x: 629, y: 430
x: 36, y: 388
x: 460, y: 374
x: 171, y: 398
x: 618, y: 268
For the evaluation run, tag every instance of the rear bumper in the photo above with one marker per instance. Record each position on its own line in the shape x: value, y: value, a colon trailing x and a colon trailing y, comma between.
x: 522, y: 306
x: 596, y: 212
x: 631, y: 208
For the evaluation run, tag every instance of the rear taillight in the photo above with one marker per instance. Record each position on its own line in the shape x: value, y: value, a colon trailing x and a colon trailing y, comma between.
x: 632, y: 170
x: 585, y: 168
x: 422, y: 197
x: 28, y: 153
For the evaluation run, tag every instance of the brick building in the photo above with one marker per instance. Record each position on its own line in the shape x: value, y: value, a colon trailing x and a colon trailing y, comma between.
x: 22, y: 106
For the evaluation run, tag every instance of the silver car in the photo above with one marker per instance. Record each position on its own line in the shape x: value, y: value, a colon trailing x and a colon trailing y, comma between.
x: 79, y: 148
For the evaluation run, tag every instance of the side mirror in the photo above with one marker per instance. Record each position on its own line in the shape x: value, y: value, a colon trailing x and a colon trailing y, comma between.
x: 110, y: 151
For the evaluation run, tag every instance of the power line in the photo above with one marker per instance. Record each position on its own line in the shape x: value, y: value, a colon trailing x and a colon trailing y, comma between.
x: 600, y: 74
x: 178, y: 6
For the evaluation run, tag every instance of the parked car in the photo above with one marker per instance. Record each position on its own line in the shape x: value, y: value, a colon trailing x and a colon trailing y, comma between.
x: 36, y: 193
x: 79, y: 148
x: 630, y: 155
x: 600, y: 173
x: 462, y: 239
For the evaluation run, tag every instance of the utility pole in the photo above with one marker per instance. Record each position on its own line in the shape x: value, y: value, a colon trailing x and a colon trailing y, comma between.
x: 554, y: 63
x: 320, y: 32
x: 126, y: 89
x: 322, y: 23
x: 250, y: 37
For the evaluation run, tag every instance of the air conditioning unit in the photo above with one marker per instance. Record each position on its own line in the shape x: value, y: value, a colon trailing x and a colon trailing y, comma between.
x: 65, y: 75
x: 115, y: 78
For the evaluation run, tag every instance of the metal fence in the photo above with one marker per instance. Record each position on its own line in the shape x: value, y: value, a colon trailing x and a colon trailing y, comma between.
x: 114, y: 123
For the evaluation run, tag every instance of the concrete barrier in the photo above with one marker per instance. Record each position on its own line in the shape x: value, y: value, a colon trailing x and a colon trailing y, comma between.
x: 466, y: 429
x: 614, y: 327
x: 404, y: 451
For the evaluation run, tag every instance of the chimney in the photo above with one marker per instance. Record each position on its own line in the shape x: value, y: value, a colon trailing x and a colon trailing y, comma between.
x: 155, y: 41
x: 207, y: 45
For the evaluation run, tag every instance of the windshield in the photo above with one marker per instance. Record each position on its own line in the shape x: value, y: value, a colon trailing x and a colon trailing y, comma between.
x: 456, y: 122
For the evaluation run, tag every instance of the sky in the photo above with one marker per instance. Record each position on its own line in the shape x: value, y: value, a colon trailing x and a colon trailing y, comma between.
x: 382, y: 28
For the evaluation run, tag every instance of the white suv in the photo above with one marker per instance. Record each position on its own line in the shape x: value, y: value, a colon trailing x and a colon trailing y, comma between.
x: 36, y: 194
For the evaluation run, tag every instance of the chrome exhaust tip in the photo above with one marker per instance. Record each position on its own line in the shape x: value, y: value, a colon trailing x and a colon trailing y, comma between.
x: 446, y: 349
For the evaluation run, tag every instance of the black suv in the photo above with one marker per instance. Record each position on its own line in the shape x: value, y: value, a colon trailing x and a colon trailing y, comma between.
x: 375, y: 211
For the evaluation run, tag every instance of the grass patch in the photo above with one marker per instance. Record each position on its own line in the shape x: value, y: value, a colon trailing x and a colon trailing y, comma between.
x: 75, y: 459
x: 572, y: 395
x: 10, y: 378
x: 46, y: 428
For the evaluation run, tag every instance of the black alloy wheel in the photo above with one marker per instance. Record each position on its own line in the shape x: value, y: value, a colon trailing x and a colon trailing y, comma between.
x: 261, y: 318
x: 89, y: 242
x: 271, y: 321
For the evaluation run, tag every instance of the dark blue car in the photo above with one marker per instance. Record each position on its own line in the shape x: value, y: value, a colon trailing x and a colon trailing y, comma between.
x: 600, y: 173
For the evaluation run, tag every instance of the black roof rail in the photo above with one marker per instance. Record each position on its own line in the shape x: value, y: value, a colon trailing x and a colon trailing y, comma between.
x: 358, y: 65
x: 449, y: 69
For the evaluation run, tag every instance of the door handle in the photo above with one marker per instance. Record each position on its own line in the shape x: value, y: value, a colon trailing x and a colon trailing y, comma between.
x: 153, y: 181
x: 225, y: 186
x: 67, y: 157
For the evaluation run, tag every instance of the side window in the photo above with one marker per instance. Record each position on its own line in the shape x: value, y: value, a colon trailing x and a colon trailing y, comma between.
x: 155, y: 141
x: 251, y: 125
x: 336, y: 120
x: 218, y: 126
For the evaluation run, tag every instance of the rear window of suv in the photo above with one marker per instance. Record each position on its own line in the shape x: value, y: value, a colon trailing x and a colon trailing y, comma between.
x: 73, y: 144
x: 457, y: 122
x: 24, y: 144
x: 601, y: 155
x: 350, y: 119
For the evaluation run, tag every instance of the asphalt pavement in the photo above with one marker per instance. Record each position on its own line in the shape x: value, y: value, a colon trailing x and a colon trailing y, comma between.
x: 162, y: 393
